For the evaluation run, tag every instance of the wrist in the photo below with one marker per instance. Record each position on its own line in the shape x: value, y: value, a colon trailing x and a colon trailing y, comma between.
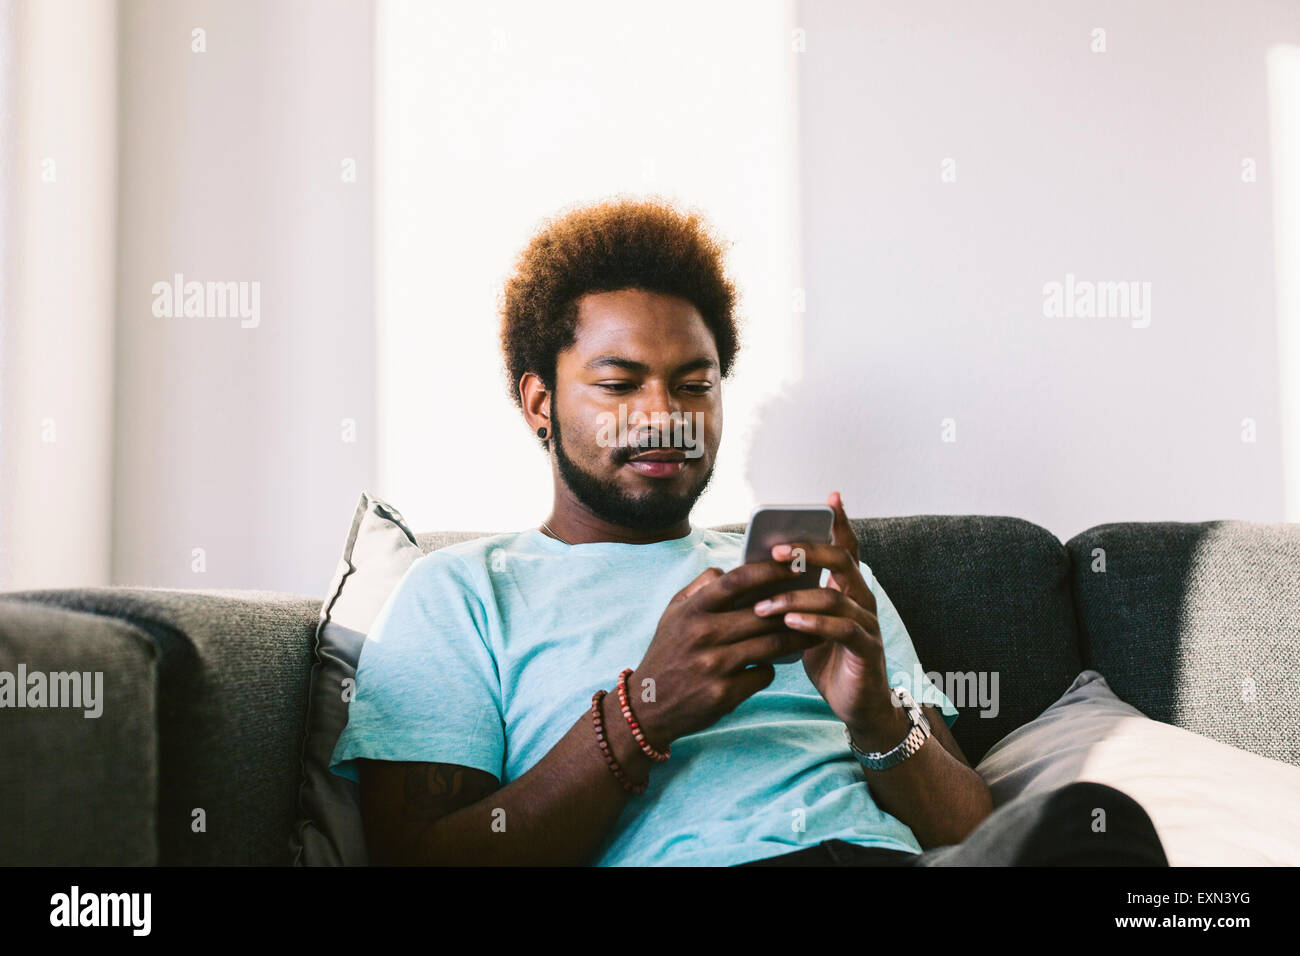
x: 882, y: 729
x: 646, y: 713
x: 627, y: 751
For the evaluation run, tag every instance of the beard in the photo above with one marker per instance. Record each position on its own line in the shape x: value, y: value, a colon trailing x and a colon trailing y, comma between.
x: 607, y: 500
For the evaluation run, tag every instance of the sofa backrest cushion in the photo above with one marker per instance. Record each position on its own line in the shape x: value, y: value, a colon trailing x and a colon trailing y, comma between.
x: 1197, y: 624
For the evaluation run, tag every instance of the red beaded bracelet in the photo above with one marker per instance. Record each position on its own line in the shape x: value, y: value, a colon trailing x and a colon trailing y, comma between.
x: 649, y: 751
x: 615, y: 769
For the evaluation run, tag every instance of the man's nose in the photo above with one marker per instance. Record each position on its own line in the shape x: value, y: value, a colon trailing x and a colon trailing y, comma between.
x: 655, y: 398
x: 659, y: 409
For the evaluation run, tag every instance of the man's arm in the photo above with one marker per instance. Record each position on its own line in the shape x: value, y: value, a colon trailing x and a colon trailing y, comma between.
x: 934, y: 791
x: 557, y: 813
x: 939, y: 729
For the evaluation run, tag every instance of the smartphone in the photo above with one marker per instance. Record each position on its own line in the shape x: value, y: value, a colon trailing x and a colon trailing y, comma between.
x: 771, y: 525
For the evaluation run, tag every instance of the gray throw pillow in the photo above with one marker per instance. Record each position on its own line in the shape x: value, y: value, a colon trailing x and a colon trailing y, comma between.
x: 1212, y: 804
x: 379, y: 550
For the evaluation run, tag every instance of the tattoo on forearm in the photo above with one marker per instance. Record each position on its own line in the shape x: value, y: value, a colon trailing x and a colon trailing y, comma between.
x: 432, y: 791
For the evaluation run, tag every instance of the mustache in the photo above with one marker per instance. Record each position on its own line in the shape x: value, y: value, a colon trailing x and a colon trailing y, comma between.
x: 637, y: 444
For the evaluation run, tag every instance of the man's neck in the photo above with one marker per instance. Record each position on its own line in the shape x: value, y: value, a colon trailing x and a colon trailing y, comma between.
x: 577, y: 525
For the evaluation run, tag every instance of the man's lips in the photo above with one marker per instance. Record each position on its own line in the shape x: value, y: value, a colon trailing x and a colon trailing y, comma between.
x: 658, y: 464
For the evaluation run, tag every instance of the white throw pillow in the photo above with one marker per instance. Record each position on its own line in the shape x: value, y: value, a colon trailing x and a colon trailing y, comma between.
x: 379, y: 550
x: 1212, y: 804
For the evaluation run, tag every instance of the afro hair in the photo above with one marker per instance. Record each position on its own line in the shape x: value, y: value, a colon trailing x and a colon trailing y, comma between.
x: 620, y: 243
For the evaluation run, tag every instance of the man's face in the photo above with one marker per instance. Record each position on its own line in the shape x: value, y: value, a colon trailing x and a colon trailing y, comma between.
x: 644, y: 464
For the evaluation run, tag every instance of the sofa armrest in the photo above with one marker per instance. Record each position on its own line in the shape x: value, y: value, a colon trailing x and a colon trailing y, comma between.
x: 233, y: 672
x: 78, y: 739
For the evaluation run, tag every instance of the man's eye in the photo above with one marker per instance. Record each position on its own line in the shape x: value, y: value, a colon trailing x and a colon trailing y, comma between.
x: 615, y: 386
x: 698, y: 388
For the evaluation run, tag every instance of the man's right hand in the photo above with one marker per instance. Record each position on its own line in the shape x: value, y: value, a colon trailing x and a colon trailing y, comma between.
x: 706, y: 658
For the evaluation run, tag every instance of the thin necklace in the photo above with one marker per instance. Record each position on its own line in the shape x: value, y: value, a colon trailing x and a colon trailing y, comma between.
x: 553, y: 534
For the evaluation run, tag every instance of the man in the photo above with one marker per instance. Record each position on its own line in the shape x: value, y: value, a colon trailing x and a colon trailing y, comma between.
x: 478, y: 730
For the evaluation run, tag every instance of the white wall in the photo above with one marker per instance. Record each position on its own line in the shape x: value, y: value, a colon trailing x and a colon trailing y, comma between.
x: 925, y: 297
x: 494, y: 116
x: 230, y: 438
x: 58, y: 166
x: 1284, y: 110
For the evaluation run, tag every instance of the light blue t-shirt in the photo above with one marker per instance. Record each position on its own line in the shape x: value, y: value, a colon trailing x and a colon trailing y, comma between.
x: 488, y: 651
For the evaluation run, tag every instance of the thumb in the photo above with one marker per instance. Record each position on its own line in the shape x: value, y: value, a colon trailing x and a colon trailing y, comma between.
x: 842, y: 533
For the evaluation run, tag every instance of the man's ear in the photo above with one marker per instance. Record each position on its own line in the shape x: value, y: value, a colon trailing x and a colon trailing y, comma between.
x: 536, y: 402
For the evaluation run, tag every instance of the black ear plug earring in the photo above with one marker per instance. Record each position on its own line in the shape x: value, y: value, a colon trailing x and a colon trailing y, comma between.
x: 541, y: 432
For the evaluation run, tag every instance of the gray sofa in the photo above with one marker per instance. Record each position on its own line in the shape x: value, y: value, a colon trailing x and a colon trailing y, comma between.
x: 196, y: 758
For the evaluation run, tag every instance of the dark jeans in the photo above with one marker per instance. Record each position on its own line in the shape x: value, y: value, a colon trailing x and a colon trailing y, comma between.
x: 1047, y: 829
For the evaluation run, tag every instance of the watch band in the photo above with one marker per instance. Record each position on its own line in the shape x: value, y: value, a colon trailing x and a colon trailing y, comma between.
x: 915, y: 739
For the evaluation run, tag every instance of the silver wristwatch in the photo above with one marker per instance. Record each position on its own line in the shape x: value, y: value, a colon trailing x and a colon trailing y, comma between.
x: 913, y: 742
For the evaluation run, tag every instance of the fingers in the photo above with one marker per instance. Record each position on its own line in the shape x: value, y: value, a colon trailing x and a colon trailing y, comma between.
x: 765, y: 648
x: 841, y: 630
x: 730, y: 627
x: 828, y: 615
x: 819, y: 554
x: 722, y: 592
x: 816, y: 601
x: 845, y: 573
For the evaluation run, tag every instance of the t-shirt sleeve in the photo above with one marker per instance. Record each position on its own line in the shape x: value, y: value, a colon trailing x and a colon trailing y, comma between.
x: 427, y: 687
x: 901, y: 663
